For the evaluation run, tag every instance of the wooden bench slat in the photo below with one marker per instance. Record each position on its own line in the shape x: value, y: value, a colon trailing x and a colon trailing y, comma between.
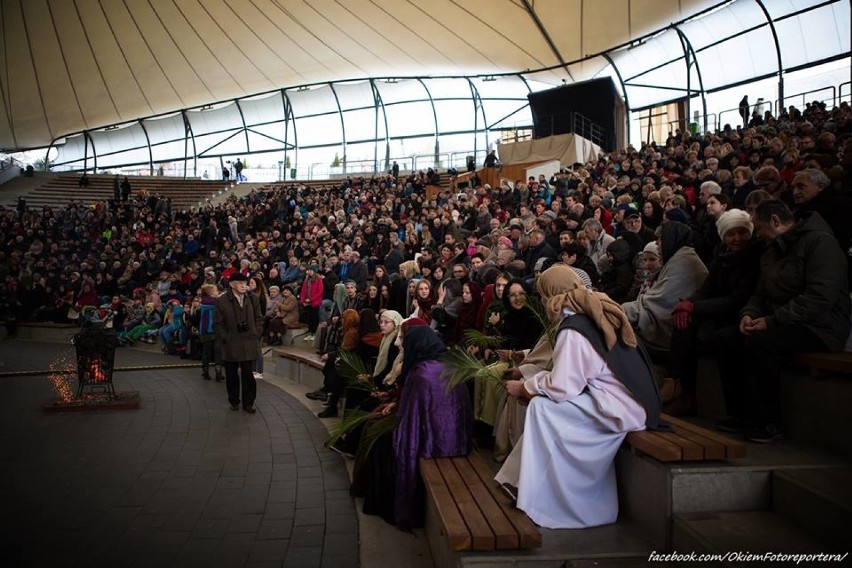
x: 452, y: 522
x: 658, y: 448
x: 528, y: 534
x: 690, y: 451
x: 712, y: 450
x: 831, y: 362
x: 309, y: 359
x: 481, y: 536
x: 733, y: 448
x: 505, y: 536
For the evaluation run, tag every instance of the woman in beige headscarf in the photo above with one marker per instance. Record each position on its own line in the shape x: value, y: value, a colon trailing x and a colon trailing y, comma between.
x: 600, y: 388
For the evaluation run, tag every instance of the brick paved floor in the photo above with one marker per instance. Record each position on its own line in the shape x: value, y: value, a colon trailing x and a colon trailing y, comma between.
x: 182, y: 481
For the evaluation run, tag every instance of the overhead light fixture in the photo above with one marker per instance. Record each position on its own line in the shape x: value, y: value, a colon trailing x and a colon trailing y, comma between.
x: 489, y: 78
x: 113, y: 127
x: 206, y: 107
x: 302, y: 88
x: 391, y: 81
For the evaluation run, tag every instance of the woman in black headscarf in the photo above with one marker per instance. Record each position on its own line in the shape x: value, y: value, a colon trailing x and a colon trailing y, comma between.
x: 432, y: 422
x: 521, y: 326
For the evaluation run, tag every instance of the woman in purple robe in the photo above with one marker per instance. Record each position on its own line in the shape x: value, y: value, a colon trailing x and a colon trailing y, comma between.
x: 432, y: 422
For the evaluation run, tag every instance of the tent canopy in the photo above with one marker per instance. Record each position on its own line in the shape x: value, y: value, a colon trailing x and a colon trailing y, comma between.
x: 69, y: 66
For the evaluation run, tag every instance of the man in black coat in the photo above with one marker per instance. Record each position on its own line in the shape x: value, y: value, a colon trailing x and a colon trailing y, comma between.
x: 238, y: 326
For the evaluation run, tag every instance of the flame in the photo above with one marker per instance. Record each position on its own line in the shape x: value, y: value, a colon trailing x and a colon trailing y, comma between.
x: 96, y: 374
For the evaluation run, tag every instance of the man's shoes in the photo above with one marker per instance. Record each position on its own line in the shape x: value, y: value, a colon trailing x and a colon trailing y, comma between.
x: 330, y: 412
x: 235, y: 407
x: 318, y: 395
x: 308, y: 337
x: 220, y: 377
x: 258, y: 376
x: 764, y: 434
x: 731, y: 425
x: 250, y: 409
x: 205, y: 376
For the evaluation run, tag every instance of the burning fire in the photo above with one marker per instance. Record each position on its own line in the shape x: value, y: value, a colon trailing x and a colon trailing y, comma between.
x: 96, y: 373
x: 60, y: 370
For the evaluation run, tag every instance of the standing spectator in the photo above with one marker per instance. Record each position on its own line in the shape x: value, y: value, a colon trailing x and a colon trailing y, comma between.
x: 209, y: 353
x: 238, y: 170
x: 257, y: 288
x: 116, y: 189
x: 744, y: 108
x: 125, y: 189
x: 311, y: 299
x: 238, y: 323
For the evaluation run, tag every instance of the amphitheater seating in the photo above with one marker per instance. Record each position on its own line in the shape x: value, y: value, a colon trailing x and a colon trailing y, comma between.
x: 62, y: 189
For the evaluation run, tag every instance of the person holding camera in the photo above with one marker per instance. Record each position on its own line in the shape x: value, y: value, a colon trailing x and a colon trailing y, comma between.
x: 238, y: 324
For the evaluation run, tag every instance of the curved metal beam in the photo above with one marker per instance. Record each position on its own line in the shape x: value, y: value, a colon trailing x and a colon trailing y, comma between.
x: 151, y: 152
x: 245, y: 127
x: 531, y: 11
x: 620, y: 80
x: 684, y: 39
x: 377, y: 100
x: 771, y: 23
x: 187, y: 127
x: 342, y: 123
x: 477, y: 104
x: 434, y: 118
x: 288, y: 115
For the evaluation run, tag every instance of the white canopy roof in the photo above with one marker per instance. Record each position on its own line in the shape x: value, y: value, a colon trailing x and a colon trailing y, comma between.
x: 68, y: 66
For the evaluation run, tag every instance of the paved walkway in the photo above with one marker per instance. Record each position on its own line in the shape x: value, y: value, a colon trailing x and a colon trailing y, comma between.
x: 181, y: 481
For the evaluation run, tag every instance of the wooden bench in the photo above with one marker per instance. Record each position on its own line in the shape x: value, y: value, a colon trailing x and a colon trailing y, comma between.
x: 305, y: 357
x: 472, y: 510
x: 825, y: 362
x: 686, y: 442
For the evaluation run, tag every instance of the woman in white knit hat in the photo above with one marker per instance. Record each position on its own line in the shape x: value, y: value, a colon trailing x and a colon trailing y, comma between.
x: 731, y: 278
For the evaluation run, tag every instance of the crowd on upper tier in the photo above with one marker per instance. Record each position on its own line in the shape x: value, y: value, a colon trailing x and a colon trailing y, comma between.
x: 734, y: 243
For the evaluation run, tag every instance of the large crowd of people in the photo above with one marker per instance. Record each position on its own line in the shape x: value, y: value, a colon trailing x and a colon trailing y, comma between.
x: 733, y: 244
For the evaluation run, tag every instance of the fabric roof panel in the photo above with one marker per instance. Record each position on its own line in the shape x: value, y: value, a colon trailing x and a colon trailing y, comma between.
x: 52, y: 75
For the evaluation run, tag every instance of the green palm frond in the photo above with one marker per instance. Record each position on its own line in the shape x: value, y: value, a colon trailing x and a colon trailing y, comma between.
x: 463, y: 367
x: 476, y: 338
x: 381, y: 425
x: 549, y: 327
x: 354, y: 370
x: 351, y: 420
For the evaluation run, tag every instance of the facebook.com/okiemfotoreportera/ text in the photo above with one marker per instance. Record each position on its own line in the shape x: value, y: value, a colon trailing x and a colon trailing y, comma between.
x: 740, y: 556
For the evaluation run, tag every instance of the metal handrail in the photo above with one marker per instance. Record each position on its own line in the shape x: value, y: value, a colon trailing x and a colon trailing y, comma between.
x: 782, y: 104
x: 840, y: 91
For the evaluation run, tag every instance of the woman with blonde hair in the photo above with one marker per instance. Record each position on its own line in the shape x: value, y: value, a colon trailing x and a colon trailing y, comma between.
x: 600, y: 388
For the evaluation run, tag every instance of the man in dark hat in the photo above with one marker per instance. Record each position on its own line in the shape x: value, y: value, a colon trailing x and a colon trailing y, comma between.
x: 238, y: 325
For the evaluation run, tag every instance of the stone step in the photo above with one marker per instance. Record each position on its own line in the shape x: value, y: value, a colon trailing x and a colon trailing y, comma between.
x: 620, y: 545
x: 817, y: 499
x: 753, y: 532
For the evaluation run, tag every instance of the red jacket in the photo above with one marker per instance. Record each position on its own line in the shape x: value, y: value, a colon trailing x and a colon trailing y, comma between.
x: 311, y: 289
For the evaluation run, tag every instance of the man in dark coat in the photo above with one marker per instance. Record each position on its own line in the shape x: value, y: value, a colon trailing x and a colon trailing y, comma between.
x: 801, y: 304
x: 238, y: 325
x: 359, y: 272
x: 812, y: 192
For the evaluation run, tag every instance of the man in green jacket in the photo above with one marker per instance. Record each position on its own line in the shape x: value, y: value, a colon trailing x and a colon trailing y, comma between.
x: 801, y: 304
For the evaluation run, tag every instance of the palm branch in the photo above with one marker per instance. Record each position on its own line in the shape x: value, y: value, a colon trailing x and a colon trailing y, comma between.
x: 351, y: 420
x: 549, y: 327
x: 474, y: 337
x: 382, y: 425
x: 463, y: 367
x: 353, y: 369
